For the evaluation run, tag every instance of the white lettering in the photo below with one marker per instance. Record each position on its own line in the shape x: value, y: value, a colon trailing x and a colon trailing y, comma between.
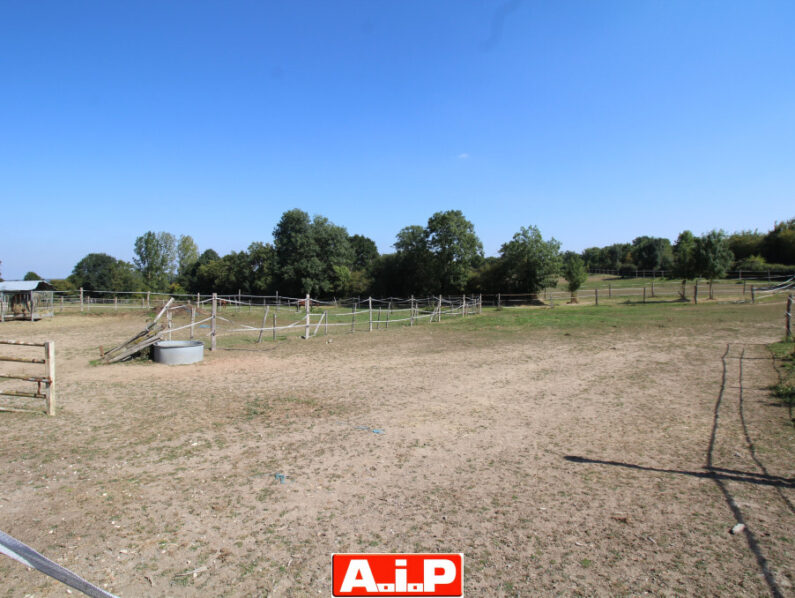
x: 358, y: 575
x: 431, y: 578
x: 400, y: 575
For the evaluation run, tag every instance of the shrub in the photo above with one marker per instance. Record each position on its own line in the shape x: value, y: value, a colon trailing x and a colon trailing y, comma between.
x: 627, y: 270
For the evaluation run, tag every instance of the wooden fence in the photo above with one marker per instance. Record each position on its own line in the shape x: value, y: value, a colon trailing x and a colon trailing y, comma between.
x: 45, y: 384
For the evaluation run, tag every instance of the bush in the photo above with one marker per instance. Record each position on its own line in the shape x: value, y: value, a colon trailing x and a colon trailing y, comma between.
x: 754, y: 263
x: 628, y: 270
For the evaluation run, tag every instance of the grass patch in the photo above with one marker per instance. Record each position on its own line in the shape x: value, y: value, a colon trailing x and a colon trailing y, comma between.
x: 784, y: 361
x: 606, y: 317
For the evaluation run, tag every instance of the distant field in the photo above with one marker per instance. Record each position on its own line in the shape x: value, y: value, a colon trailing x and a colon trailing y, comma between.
x: 565, y: 451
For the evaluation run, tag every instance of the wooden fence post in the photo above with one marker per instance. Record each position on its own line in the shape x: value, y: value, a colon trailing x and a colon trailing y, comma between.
x: 753, y: 294
x: 596, y: 296
x: 264, y: 323
x: 192, y: 320
x: 370, y: 308
x: 49, y: 356
x: 411, y: 312
x: 743, y: 287
x: 239, y: 299
x: 711, y: 296
x: 480, y: 303
x: 274, y: 324
x: 307, y: 307
x: 499, y: 304
x: 789, y: 318
x: 212, y: 321
x: 644, y: 294
x: 81, y: 299
x: 169, y: 324
x: 609, y: 291
x: 440, y: 309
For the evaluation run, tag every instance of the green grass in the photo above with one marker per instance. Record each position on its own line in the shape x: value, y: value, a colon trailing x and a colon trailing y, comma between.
x: 605, y: 317
x: 601, y: 281
x: 784, y: 359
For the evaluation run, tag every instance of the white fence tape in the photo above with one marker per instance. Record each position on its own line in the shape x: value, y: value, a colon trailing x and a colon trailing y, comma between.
x: 13, y: 548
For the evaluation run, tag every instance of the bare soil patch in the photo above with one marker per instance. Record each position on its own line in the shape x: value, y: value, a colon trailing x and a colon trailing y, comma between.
x: 559, y: 463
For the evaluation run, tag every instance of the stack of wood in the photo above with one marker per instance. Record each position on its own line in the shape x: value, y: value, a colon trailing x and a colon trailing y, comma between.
x: 152, y: 333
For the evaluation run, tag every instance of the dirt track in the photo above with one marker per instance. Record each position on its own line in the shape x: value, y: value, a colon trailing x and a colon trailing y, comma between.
x: 149, y: 472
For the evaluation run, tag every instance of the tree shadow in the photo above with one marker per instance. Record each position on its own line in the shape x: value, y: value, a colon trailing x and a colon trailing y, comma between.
x: 713, y: 474
x: 721, y: 475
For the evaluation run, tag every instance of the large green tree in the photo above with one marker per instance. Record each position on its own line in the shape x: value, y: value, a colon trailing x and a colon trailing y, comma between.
x: 530, y: 263
x: 262, y: 268
x: 745, y: 243
x: 187, y: 253
x: 193, y: 280
x: 652, y: 253
x: 574, y: 272
x: 455, y: 248
x: 778, y: 246
x: 155, y: 259
x: 412, y: 270
x: 712, y: 256
x: 102, y: 272
x: 335, y: 254
x: 684, y: 256
x: 312, y: 255
x: 364, y: 250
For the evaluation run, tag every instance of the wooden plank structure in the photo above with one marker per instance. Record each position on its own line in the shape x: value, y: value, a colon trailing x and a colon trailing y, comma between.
x: 45, y: 384
x: 152, y: 333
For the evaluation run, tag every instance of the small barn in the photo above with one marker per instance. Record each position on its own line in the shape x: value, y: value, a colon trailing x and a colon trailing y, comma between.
x: 25, y: 300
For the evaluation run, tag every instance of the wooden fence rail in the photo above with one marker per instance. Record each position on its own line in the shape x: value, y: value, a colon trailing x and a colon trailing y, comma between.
x: 45, y: 384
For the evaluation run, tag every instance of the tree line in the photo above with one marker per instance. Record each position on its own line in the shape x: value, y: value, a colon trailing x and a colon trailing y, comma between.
x: 315, y: 256
x: 751, y: 251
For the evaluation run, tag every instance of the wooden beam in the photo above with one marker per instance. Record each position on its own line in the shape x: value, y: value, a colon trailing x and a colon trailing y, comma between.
x: 23, y: 343
x: 19, y: 393
x: 25, y: 378
x: 22, y: 360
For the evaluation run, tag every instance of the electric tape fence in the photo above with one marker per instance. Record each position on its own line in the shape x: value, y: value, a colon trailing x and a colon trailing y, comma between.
x: 14, y: 549
x: 279, y: 317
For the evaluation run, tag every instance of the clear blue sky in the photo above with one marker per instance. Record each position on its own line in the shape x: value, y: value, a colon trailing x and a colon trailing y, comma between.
x: 596, y: 121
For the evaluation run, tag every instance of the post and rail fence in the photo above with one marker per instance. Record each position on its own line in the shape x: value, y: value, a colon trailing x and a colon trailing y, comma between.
x: 45, y: 389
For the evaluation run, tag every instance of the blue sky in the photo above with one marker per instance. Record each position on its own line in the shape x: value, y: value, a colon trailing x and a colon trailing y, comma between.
x: 596, y: 121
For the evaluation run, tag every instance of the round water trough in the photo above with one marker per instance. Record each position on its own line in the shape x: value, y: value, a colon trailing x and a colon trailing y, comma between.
x: 178, y: 352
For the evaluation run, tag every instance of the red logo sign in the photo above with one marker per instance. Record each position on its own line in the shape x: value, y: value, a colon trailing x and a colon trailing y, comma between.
x: 397, y: 575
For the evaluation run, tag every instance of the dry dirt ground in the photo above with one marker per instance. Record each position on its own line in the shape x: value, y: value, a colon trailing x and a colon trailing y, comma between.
x: 559, y: 463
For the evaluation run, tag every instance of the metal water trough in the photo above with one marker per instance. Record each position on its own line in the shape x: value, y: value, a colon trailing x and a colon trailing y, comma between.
x: 178, y: 352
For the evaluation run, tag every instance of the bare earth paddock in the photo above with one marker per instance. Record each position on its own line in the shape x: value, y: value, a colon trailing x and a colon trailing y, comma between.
x: 560, y: 459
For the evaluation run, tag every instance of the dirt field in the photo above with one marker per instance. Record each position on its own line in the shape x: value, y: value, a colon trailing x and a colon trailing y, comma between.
x: 560, y: 461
